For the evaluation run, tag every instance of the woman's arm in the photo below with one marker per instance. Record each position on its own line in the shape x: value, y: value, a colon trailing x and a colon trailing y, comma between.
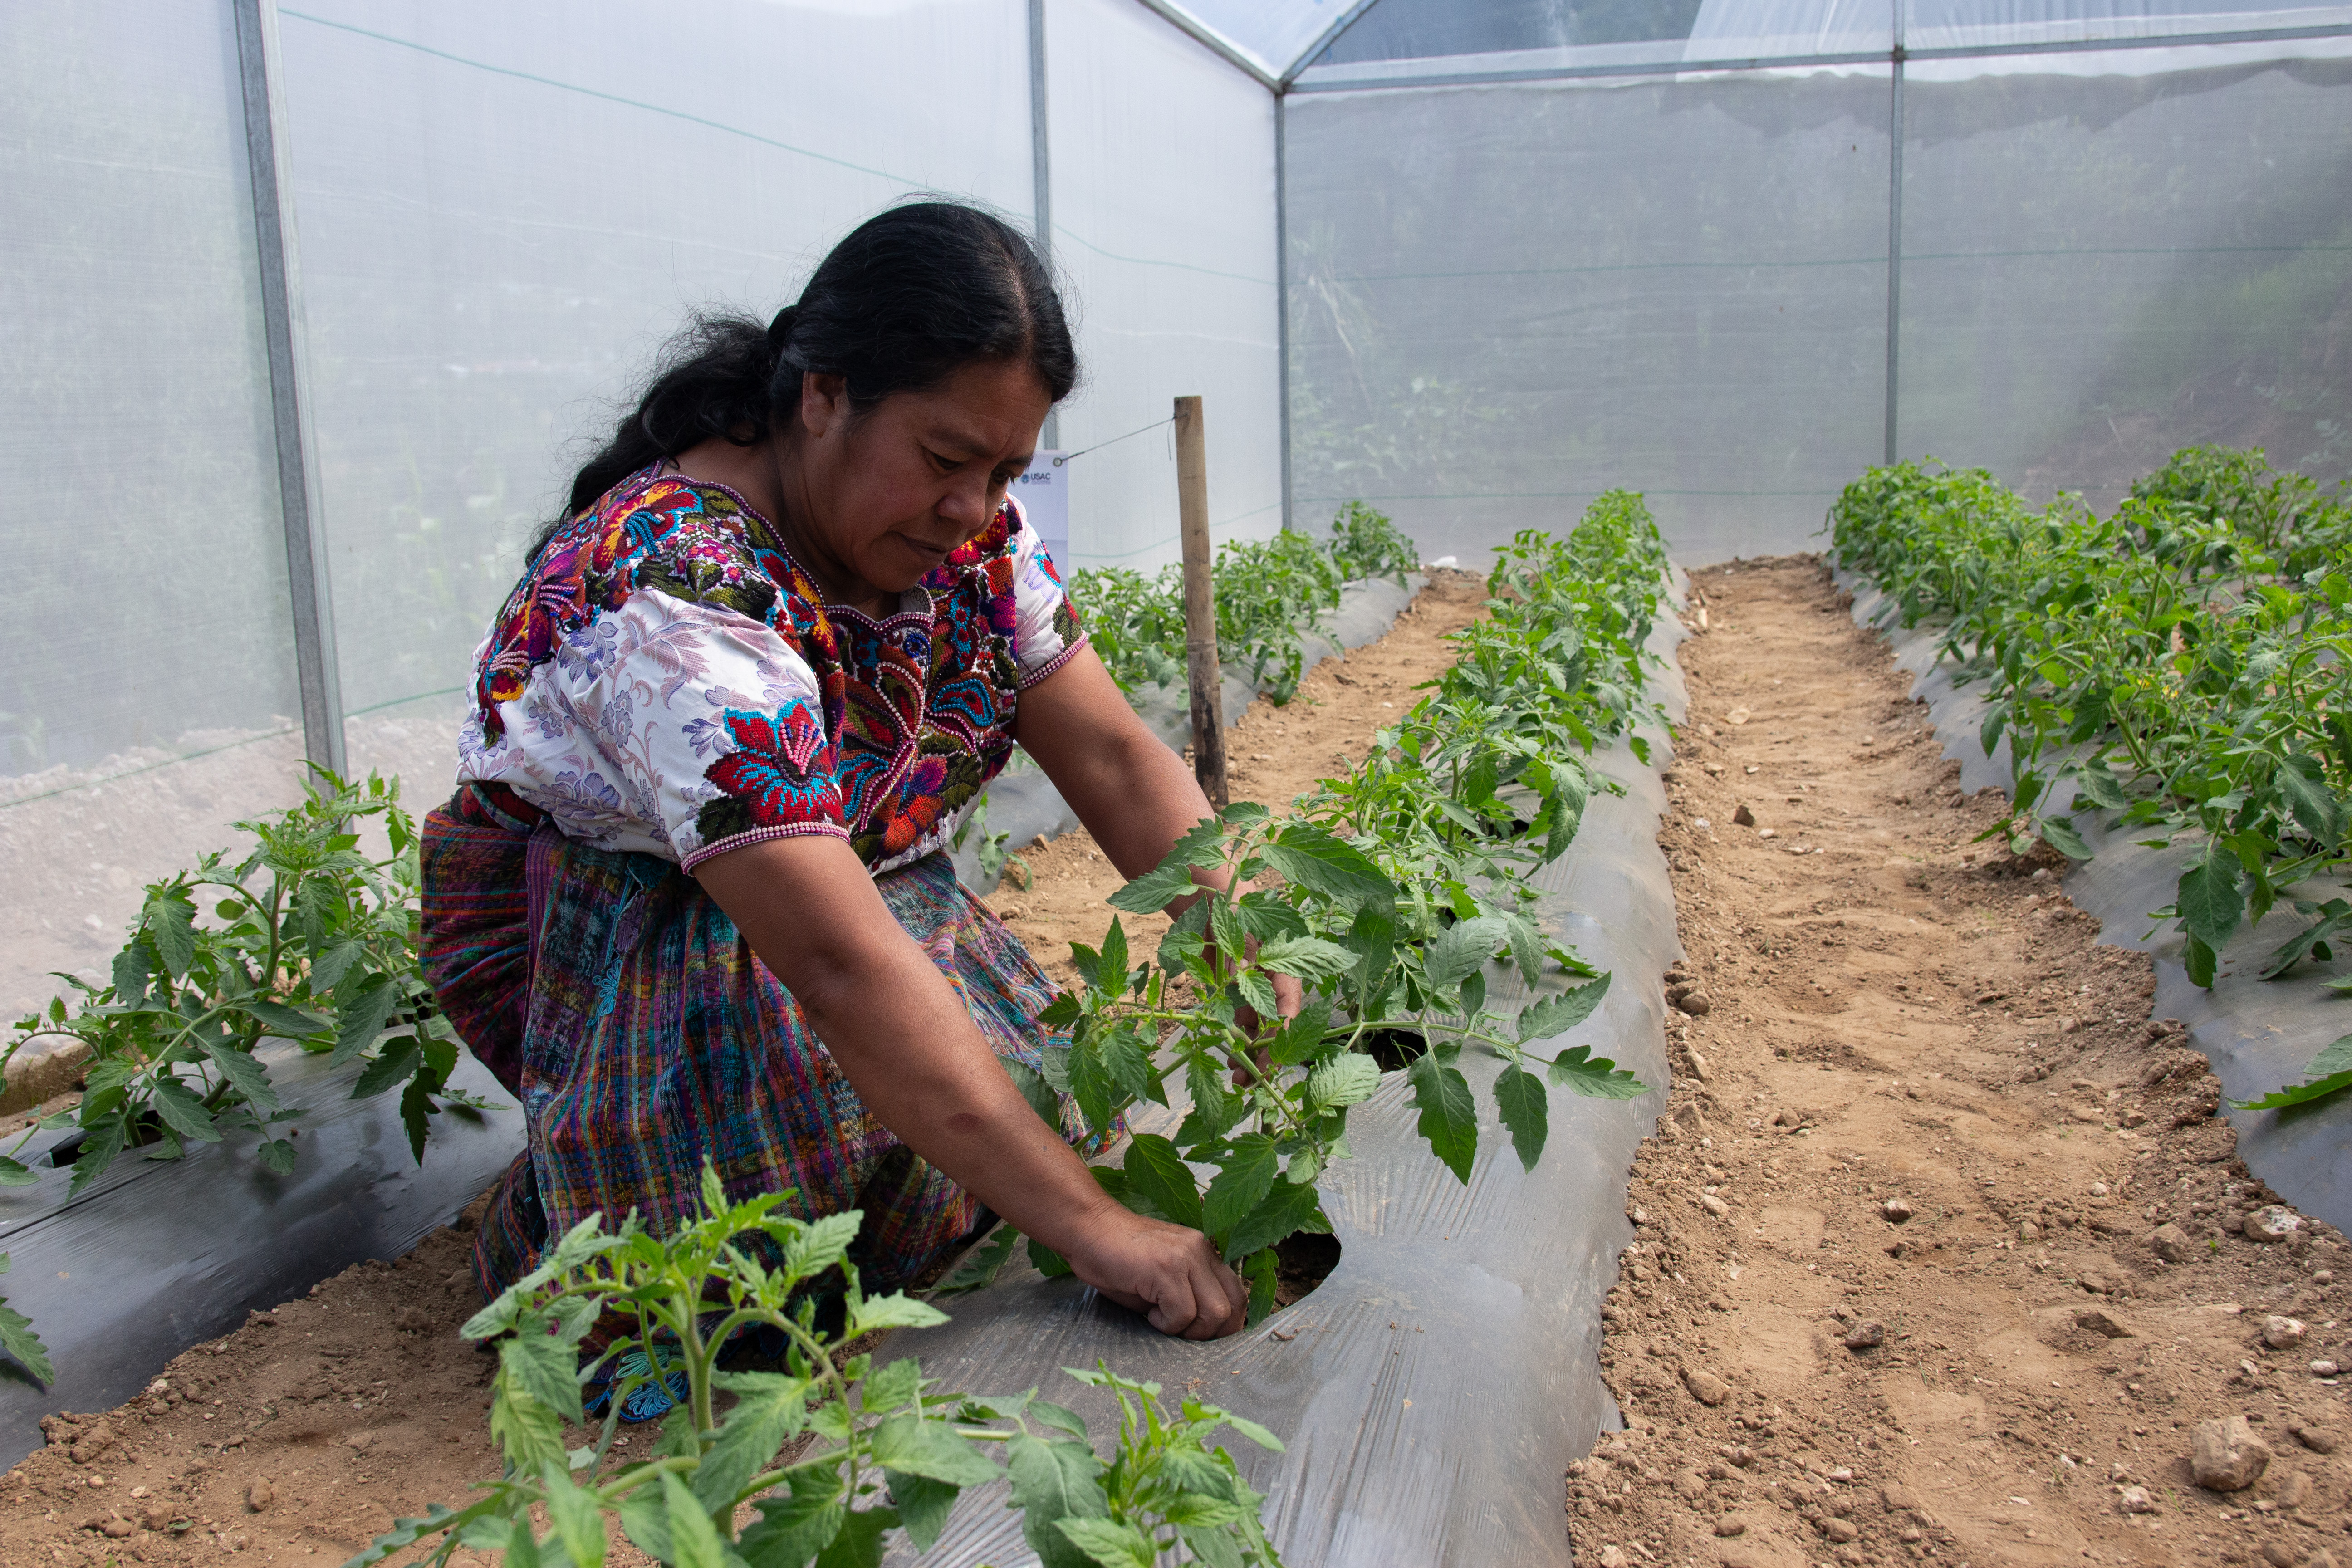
x: 906, y: 1044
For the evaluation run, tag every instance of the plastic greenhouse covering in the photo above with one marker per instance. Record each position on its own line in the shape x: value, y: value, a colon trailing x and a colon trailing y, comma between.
x: 309, y: 308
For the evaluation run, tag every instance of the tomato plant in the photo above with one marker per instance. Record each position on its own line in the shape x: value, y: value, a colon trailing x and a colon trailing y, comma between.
x: 1269, y: 594
x: 307, y: 939
x: 1386, y: 895
x: 2185, y: 664
x: 833, y: 1449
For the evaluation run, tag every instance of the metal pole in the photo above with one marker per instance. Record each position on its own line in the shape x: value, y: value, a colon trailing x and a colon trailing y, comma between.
x: 1041, y: 176
x: 1203, y: 674
x: 259, y: 73
x: 1894, y: 247
x: 1282, y: 287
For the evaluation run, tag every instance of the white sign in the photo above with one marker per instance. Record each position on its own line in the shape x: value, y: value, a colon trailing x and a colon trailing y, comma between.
x: 1044, y: 495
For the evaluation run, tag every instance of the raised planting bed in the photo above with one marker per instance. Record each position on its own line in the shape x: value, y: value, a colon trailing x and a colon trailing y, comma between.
x: 1433, y: 1388
x: 154, y: 1256
x: 2057, y: 617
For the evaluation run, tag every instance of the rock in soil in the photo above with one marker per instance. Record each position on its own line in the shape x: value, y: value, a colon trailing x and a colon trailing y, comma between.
x: 2225, y: 1456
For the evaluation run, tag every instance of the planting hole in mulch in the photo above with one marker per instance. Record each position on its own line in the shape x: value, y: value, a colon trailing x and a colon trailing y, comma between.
x: 1302, y: 1262
x: 1395, y: 1049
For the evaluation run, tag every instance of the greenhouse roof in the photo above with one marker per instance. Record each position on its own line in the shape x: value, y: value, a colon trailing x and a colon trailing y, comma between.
x: 1367, y: 43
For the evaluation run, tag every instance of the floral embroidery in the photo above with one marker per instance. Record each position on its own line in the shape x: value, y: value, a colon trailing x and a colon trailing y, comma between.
x: 665, y: 679
x: 779, y: 775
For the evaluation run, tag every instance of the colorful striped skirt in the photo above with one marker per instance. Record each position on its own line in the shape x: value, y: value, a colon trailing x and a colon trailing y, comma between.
x: 620, y: 1005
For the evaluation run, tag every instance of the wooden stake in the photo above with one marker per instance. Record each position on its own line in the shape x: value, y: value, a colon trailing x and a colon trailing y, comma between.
x: 1205, y: 675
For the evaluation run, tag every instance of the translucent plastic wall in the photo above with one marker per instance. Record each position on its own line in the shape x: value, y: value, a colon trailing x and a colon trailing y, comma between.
x: 504, y: 210
x: 1163, y: 203
x: 500, y: 214
x: 147, y: 694
x: 1507, y: 299
x: 1519, y: 271
x: 2105, y: 265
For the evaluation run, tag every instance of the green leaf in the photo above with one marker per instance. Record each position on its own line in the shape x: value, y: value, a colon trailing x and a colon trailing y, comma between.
x: 1314, y: 859
x: 2211, y: 901
x: 2336, y: 1059
x: 1158, y: 888
x: 923, y: 1505
x: 2300, y: 1094
x: 16, y: 1173
x: 1109, y: 1545
x: 1285, y: 1208
x: 1308, y: 958
x: 860, y: 1543
x: 18, y: 1340
x: 181, y: 1111
x: 2098, y: 782
x: 1556, y: 1015
x: 277, y: 1156
x: 1525, y: 1108
x: 416, y: 1111
x: 771, y: 1409
x: 360, y: 1019
x: 1347, y: 1079
x: 170, y: 922
x: 791, y: 1531
x: 908, y: 1444
x: 543, y: 1365
x: 895, y: 1311
x: 1047, y: 1261
x: 1112, y: 976
x: 133, y: 969
x: 2303, y: 781
x: 1594, y: 1078
x: 1053, y: 1479
x: 328, y: 972
x: 1035, y: 1090
x: 693, y: 1540
x: 981, y: 1264
x: 579, y: 1524
x: 529, y: 1434
x: 251, y: 1078
x: 1462, y: 950
x: 398, y: 1063
x: 1159, y: 1175
x: 287, y: 1023
x: 1448, y: 1119
x: 2058, y: 833
x: 1242, y: 1185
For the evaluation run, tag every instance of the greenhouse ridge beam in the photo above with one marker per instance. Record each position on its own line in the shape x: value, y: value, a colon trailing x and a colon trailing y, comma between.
x: 1802, y: 62
x: 298, y: 494
x: 1208, y: 40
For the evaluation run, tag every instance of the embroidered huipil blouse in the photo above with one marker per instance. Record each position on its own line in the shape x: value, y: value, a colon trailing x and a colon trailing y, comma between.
x: 666, y: 679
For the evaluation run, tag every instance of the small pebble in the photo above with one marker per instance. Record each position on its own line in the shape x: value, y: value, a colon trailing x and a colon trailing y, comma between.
x: 2282, y: 1333
x: 1864, y: 1336
x: 1895, y: 1210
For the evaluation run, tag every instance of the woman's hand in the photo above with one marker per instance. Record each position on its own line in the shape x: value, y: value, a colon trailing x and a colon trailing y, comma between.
x: 1167, y: 1272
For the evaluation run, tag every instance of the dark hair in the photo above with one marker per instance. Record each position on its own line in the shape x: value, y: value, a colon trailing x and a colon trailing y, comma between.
x: 904, y: 301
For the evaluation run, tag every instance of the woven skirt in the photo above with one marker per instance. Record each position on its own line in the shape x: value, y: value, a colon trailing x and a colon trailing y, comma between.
x: 625, y: 1011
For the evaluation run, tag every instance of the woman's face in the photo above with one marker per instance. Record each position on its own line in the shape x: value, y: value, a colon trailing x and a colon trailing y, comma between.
x: 886, y: 495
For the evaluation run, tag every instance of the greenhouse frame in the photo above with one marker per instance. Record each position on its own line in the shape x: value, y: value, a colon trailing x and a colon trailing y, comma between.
x: 315, y: 305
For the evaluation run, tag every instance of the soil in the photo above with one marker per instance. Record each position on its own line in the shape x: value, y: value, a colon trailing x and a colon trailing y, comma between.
x: 359, y: 1402
x: 1920, y: 1111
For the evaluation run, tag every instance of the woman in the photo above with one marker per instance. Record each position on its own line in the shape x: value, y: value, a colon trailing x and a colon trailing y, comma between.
x: 692, y: 900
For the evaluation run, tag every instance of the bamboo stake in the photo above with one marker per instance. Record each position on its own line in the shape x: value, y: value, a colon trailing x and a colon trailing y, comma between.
x: 1202, y: 670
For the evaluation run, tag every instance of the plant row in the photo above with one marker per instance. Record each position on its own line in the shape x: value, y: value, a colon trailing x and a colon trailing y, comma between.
x: 2184, y: 664
x: 1386, y: 894
x: 1269, y: 595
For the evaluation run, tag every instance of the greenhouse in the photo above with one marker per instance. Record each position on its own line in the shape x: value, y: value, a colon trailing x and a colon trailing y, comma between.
x: 1783, y: 568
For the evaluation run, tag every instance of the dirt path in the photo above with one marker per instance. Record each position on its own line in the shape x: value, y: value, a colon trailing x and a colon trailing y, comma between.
x: 1920, y: 1113
x: 300, y: 1435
